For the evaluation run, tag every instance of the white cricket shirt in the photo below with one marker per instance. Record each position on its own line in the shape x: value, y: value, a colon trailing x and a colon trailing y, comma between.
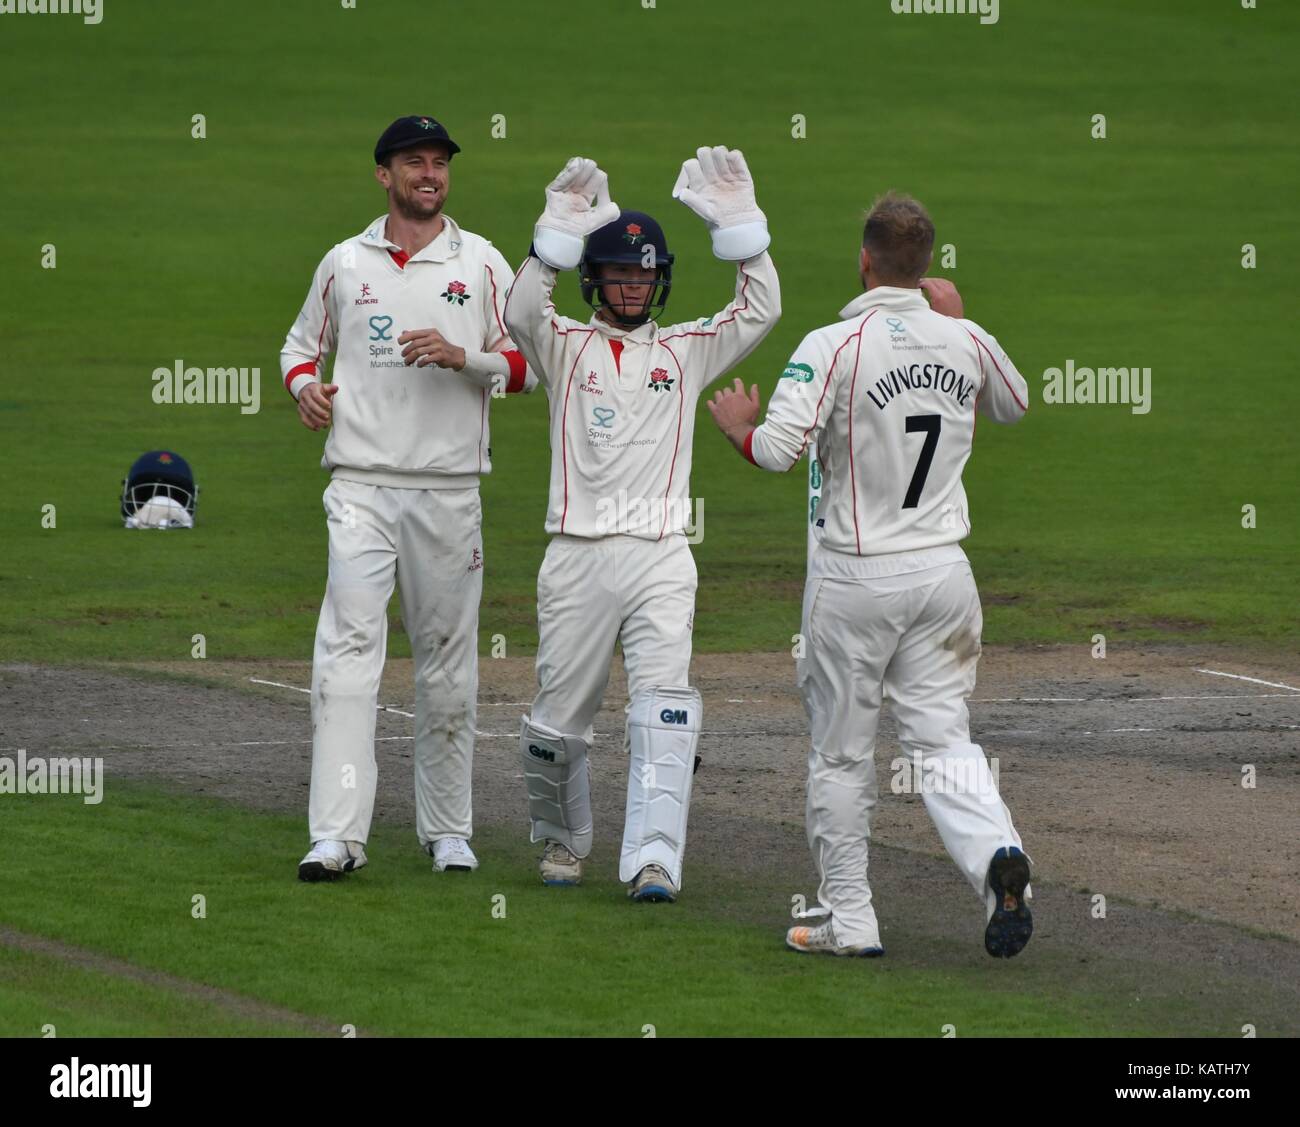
x: 394, y: 424
x: 889, y: 393
x: 622, y: 402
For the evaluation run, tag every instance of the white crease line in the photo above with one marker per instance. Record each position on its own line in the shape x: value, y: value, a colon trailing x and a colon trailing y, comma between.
x: 1015, y: 732
x: 237, y: 743
x: 296, y: 689
x: 614, y: 738
x: 190, y: 743
x: 974, y: 700
x: 1126, y: 700
x: 1239, y: 677
x: 1028, y: 700
x: 278, y: 685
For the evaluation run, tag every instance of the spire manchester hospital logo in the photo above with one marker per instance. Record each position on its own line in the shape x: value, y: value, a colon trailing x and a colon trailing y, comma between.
x: 455, y: 293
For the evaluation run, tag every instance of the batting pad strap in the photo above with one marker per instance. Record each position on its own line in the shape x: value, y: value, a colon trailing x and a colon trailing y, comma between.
x: 663, y: 732
x: 745, y: 240
x: 557, y: 780
x: 558, y: 249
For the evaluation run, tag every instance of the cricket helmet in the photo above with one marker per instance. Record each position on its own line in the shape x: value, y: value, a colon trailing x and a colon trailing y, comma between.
x: 159, y: 492
x: 633, y: 239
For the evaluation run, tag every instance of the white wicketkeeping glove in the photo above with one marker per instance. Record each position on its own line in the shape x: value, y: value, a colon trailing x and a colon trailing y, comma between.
x: 571, y: 215
x: 717, y: 186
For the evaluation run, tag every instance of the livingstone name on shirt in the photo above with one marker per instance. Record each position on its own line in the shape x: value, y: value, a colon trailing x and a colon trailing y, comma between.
x: 921, y: 377
x: 179, y: 384
x: 90, y: 11
x: 1099, y: 385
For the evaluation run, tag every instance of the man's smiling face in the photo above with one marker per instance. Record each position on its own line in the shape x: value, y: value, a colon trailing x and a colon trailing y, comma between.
x: 418, y: 180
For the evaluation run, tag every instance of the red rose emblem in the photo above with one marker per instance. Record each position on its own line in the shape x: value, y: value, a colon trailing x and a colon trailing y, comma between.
x: 455, y: 293
x: 659, y: 380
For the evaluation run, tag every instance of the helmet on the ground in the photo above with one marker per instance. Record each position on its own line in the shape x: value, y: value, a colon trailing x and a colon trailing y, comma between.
x: 159, y: 492
x: 633, y: 239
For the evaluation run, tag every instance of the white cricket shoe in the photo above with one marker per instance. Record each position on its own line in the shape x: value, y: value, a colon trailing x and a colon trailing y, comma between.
x: 653, y: 885
x: 452, y: 854
x: 820, y: 940
x: 329, y: 860
x: 559, y: 866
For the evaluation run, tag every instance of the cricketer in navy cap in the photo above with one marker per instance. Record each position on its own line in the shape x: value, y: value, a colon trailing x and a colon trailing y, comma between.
x: 406, y: 132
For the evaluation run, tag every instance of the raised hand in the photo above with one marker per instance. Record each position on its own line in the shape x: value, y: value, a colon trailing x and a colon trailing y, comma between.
x: 577, y: 203
x: 943, y: 296
x: 717, y: 186
x: 734, y: 411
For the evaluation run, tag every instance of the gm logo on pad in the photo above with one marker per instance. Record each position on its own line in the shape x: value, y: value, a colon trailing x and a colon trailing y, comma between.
x: 541, y: 753
x: 673, y: 716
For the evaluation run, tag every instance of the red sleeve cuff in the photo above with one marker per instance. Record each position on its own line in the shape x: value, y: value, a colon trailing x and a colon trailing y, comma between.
x: 307, y: 369
x: 518, y: 370
x: 748, y: 451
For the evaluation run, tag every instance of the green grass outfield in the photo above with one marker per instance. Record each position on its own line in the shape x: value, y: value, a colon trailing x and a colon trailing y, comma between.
x: 1120, y: 252
x: 396, y: 950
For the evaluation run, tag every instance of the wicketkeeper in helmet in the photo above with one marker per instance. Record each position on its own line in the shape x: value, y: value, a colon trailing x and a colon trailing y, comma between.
x: 622, y: 393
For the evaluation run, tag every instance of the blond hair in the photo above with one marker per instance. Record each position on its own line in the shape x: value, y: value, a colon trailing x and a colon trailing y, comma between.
x: 899, y: 235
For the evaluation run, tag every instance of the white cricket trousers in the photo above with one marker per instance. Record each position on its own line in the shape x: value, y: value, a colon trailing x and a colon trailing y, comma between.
x: 429, y: 542
x: 591, y: 594
x: 916, y: 637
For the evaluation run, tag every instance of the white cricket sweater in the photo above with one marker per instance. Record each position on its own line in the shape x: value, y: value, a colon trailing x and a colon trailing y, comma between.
x: 889, y: 395
x: 394, y: 424
x: 622, y: 402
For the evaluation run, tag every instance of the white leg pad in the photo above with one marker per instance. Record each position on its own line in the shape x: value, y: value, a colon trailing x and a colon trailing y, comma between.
x: 663, y: 731
x: 556, y: 772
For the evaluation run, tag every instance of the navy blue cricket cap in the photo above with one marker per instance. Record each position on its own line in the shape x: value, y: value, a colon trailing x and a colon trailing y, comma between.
x: 407, y: 132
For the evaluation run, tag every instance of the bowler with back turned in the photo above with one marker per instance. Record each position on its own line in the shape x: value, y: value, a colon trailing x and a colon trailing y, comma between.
x: 889, y: 394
